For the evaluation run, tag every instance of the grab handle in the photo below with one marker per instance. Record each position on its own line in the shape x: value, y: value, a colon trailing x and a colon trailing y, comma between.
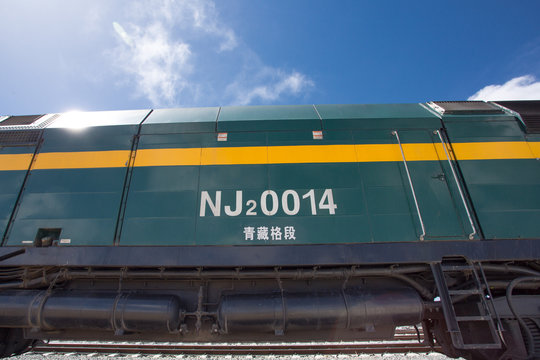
x: 395, y: 133
x: 471, y: 235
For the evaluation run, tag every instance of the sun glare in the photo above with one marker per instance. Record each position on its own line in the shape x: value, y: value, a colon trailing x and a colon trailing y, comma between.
x: 75, y: 120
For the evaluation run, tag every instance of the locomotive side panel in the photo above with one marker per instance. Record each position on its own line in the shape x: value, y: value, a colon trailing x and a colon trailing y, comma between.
x: 162, y: 202
x: 501, y: 172
x: 75, y: 186
x: 273, y: 175
x: 324, y: 207
x: 15, y: 162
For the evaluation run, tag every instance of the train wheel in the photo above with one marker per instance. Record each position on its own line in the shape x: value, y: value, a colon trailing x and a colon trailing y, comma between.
x: 515, y: 342
x: 443, y: 339
x: 12, y: 342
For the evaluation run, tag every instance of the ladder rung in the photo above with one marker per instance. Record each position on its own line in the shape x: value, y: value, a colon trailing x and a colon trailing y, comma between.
x: 473, y: 318
x: 465, y: 292
x: 493, y: 345
x: 457, y: 267
x: 447, y: 297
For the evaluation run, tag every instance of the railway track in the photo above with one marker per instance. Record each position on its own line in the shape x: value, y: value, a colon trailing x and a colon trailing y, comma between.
x: 404, y: 342
x: 288, y: 349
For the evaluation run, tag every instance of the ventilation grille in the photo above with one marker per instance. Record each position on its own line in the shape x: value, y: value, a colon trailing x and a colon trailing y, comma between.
x: 33, y: 122
x: 20, y: 120
x: 467, y: 107
x: 19, y: 137
x: 529, y: 112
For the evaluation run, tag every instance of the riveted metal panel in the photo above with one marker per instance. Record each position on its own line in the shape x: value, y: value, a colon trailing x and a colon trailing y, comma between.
x: 484, y: 130
x: 503, y: 183
x: 81, y: 120
x: 172, y: 171
x: 12, y: 174
x: 93, y: 131
x: 186, y: 120
x: 162, y: 202
x: 506, y: 196
x: 83, y: 203
x: 161, y: 206
x: 357, y: 160
x: 387, y: 116
x: 77, y: 178
x: 264, y: 118
x: 102, y: 138
x: 369, y: 196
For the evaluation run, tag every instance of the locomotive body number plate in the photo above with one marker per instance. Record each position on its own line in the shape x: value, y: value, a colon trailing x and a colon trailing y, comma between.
x: 269, y: 203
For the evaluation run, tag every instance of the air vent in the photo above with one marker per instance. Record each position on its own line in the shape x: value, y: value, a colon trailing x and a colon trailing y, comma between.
x: 467, y: 107
x: 529, y: 110
x: 19, y: 137
x: 20, y: 120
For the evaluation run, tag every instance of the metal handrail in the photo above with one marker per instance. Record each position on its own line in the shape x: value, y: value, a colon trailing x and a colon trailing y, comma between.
x: 471, y: 235
x: 411, y: 185
x: 500, y: 327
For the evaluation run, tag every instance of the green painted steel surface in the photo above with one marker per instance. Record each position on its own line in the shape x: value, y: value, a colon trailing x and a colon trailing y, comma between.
x: 83, y: 203
x: 261, y: 118
x: 97, y: 138
x: 373, y: 201
x: 506, y: 196
x: 87, y: 120
x: 377, y: 116
x: 273, y: 203
x: 505, y: 192
x: 189, y: 120
x: 11, y: 182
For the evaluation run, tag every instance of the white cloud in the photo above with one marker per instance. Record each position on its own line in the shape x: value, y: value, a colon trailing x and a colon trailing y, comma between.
x: 194, y: 15
x: 519, y: 88
x: 122, y: 33
x: 205, y: 18
x: 181, y: 53
x: 158, y: 63
x: 275, y: 84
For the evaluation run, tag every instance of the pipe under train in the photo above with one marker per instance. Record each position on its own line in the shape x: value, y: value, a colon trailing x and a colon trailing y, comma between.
x: 119, y: 312
x: 356, y: 308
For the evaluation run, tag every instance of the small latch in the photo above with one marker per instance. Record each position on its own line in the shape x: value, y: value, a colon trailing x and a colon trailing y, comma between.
x: 439, y: 176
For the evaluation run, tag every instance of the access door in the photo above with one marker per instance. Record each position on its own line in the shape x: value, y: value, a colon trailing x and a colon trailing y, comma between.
x: 434, y: 192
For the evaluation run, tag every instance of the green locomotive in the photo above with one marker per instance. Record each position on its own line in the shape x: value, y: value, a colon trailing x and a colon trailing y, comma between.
x: 274, y: 223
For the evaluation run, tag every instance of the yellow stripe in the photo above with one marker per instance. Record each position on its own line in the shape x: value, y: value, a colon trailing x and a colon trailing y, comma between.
x: 234, y: 155
x: 271, y: 155
x: 82, y: 160
x: 392, y: 152
x: 168, y: 157
x: 535, y: 148
x: 493, y: 150
x: 15, y: 161
x: 311, y: 154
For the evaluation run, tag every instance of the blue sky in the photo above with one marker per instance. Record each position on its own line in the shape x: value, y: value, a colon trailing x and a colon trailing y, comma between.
x: 58, y: 56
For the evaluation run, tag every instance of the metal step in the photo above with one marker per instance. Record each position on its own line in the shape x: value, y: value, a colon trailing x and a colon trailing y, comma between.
x: 465, y: 292
x: 473, y: 318
x: 460, y: 268
x: 448, y: 303
x: 482, y: 346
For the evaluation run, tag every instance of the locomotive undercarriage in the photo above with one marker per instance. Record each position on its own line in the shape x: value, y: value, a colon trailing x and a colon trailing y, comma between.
x: 268, y: 304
